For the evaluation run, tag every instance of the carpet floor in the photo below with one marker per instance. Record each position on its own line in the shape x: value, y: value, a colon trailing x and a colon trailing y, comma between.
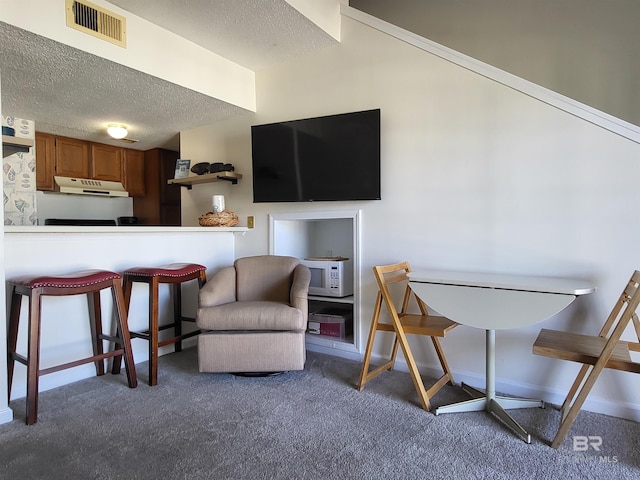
x: 311, y: 424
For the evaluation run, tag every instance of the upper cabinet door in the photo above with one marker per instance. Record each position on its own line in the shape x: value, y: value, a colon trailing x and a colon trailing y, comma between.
x: 106, y: 162
x: 45, y: 161
x: 72, y: 158
x: 134, y: 182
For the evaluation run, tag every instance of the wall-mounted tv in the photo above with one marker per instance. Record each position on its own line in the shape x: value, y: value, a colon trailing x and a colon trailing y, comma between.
x: 330, y: 158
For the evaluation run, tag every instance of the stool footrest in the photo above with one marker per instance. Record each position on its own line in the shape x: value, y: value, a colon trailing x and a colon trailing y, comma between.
x: 20, y: 358
x: 144, y: 334
x: 75, y: 363
x: 170, y: 341
x: 110, y: 338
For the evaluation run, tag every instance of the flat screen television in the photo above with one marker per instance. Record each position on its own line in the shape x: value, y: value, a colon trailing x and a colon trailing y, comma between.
x: 330, y: 158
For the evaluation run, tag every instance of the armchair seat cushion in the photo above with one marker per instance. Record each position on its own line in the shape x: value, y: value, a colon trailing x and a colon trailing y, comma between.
x: 251, y: 315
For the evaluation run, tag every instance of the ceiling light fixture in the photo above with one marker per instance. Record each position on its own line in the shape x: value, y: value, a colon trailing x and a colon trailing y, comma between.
x: 117, y: 130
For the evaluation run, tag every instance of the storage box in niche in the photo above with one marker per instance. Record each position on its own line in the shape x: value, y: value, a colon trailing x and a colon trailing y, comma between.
x: 331, y: 322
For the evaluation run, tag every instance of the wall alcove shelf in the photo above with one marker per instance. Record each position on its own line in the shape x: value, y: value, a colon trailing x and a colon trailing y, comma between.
x: 188, y: 182
x: 11, y: 145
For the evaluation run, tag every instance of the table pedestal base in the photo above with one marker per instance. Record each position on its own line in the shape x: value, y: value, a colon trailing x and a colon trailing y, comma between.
x: 488, y: 400
x: 497, y: 405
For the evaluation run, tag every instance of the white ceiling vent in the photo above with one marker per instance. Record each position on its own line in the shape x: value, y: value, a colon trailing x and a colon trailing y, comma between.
x: 97, y: 21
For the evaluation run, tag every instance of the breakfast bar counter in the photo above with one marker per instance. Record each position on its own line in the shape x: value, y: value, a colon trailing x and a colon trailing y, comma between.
x: 64, y: 249
x: 119, y: 229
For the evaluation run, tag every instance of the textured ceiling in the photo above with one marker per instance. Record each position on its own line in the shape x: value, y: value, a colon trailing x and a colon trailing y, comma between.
x: 72, y: 93
x: 252, y: 33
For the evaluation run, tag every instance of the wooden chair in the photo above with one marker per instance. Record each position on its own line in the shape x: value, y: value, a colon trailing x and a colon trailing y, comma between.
x: 596, y: 353
x: 403, y: 324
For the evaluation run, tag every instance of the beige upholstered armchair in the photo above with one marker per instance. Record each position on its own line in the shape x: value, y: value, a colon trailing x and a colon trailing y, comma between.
x: 253, y: 316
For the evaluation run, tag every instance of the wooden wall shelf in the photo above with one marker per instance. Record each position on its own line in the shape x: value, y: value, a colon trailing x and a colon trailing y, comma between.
x: 11, y: 145
x: 188, y: 182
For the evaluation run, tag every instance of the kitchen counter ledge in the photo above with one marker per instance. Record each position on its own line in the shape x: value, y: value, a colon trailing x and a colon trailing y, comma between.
x: 117, y: 229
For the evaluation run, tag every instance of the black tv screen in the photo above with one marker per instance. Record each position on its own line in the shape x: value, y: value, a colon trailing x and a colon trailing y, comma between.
x: 336, y: 157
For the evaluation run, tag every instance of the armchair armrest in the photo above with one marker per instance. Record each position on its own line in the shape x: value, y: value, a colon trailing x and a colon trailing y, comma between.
x: 219, y: 290
x: 300, y: 289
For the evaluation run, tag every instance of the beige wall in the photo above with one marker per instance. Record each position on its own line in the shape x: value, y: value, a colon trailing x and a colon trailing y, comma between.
x: 584, y: 49
x: 475, y: 176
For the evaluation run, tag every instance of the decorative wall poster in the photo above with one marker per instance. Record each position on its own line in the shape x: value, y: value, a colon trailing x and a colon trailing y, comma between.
x: 19, y: 178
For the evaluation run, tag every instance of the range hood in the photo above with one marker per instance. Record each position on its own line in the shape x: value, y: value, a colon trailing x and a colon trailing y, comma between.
x: 85, y: 186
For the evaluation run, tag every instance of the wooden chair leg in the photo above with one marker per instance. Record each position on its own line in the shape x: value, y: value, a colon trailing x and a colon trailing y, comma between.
x: 12, y: 335
x: 117, y: 360
x: 33, y: 356
x: 443, y: 361
x: 573, y: 390
x: 153, y: 332
x: 417, y: 381
x: 365, y: 375
x: 95, y: 321
x: 177, y: 315
x: 123, y: 328
x: 575, y: 407
x: 413, y: 369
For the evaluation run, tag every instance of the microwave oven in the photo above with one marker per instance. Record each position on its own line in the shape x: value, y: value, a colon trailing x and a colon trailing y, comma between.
x: 330, y: 277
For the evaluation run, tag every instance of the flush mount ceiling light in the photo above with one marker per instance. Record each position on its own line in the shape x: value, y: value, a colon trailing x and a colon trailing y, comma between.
x: 117, y: 130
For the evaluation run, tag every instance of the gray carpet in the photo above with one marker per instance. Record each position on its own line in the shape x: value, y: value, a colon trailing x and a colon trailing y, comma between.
x: 311, y: 424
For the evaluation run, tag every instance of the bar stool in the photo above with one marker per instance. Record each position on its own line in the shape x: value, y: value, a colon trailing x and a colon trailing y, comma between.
x: 89, y: 282
x: 174, y: 274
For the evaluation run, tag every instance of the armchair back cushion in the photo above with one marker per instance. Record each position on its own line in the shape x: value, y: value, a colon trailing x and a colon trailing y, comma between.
x: 260, y: 293
x: 265, y: 277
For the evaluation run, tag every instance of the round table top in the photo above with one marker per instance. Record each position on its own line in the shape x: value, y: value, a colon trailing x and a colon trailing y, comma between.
x: 495, y: 301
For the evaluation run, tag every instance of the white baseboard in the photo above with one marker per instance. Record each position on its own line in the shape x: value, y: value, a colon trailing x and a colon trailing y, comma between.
x: 6, y: 415
x: 349, y: 355
x: 617, y: 409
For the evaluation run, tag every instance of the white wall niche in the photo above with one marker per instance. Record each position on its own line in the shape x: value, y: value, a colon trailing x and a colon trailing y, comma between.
x: 323, y: 233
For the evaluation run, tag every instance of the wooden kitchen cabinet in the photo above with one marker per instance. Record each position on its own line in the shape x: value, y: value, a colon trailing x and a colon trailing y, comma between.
x: 106, y: 162
x: 45, y: 161
x: 161, y: 203
x: 134, y: 180
x: 72, y: 157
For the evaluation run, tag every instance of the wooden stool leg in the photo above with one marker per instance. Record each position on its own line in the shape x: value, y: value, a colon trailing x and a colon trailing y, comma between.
x: 117, y: 360
x: 12, y: 335
x: 177, y: 315
x: 123, y: 328
x: 33, y: 356
x: 153, y: 331
x: 95, y: 321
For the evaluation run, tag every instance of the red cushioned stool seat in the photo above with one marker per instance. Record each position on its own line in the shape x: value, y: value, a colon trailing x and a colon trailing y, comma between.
x: 89, y: 282
x: 175, y: 274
